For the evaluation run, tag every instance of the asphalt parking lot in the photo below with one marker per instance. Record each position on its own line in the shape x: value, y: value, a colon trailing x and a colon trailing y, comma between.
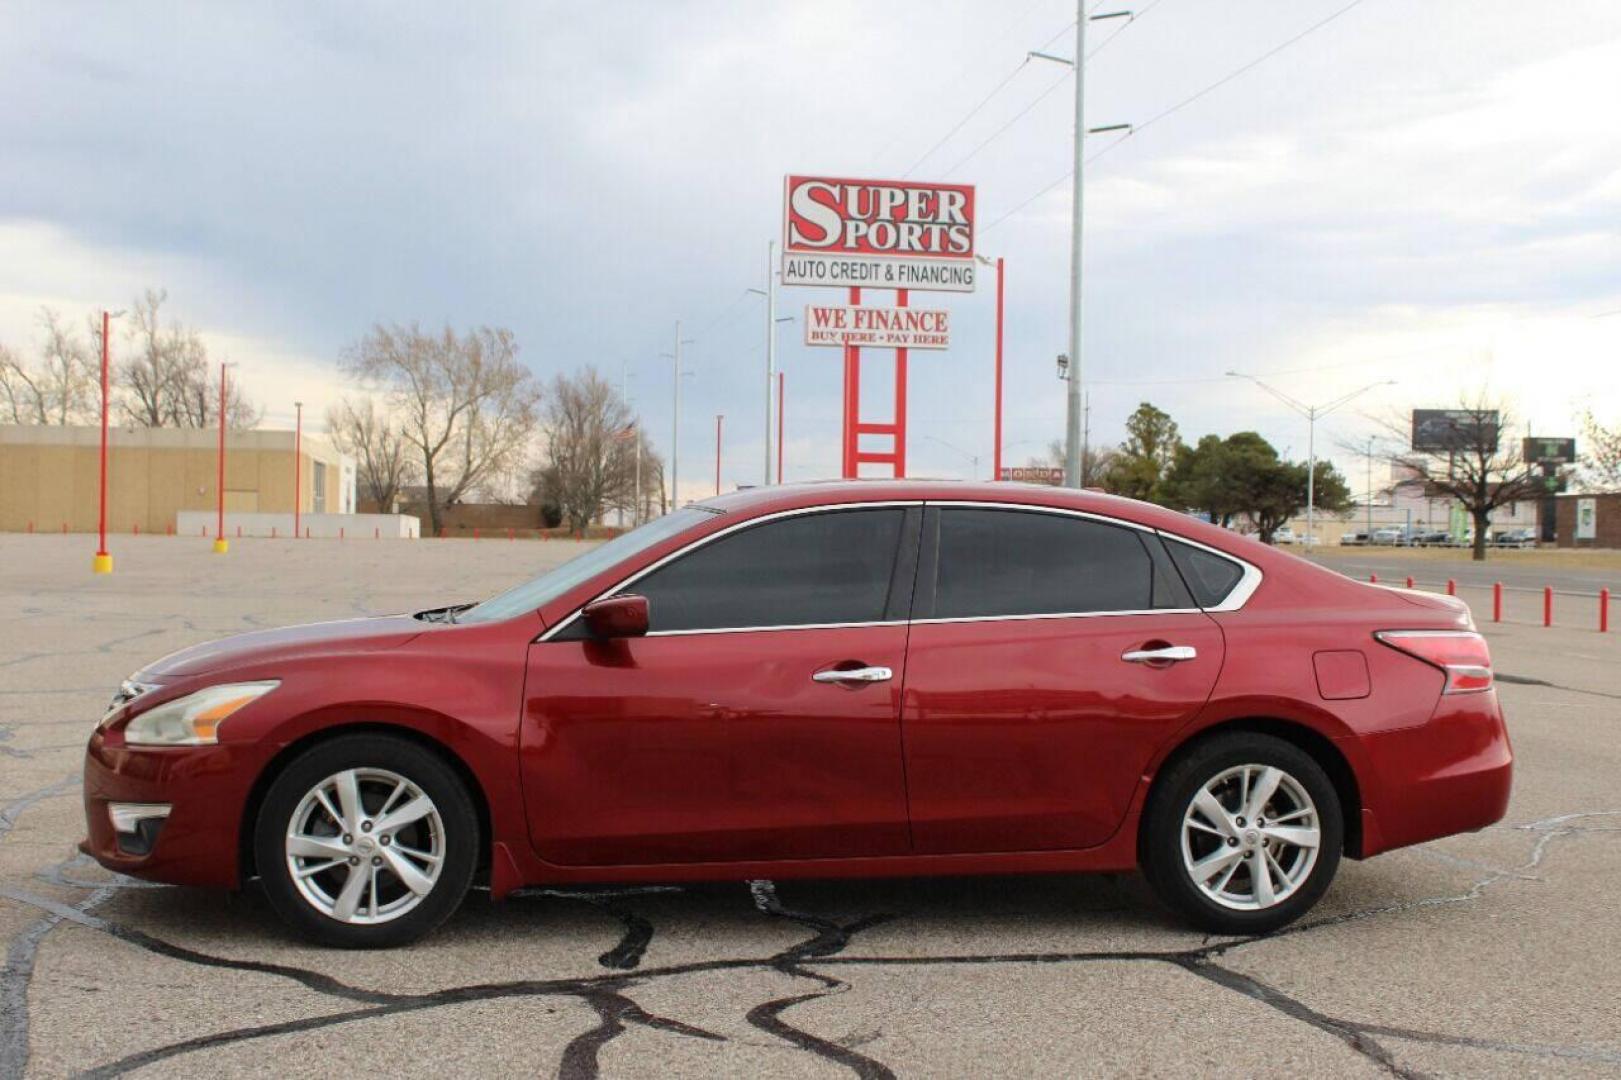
x: 1489, y: 954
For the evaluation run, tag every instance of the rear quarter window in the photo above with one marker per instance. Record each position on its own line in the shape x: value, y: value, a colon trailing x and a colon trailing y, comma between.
x: 1209, y: 576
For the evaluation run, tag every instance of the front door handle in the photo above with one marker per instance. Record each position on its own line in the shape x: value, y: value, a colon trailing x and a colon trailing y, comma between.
x: 860, y: 675
x: 1167, y: 654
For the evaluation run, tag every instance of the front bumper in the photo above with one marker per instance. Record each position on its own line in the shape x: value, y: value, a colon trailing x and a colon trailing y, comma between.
x: 1450, y: 775
x: 197, y: 842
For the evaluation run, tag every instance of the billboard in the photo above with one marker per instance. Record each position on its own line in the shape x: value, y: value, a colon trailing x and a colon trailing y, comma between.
x: 1540, y: 450
x: 880, y: 327
x: 1442, y: 431
x: 878, y: 234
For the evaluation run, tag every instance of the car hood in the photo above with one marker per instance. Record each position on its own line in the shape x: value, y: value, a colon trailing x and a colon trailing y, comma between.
x: 287, y: 643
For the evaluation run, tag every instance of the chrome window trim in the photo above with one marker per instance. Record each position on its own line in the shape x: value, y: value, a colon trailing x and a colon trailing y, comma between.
x: 1240, y: 593
x: 625, y: 583
x: 1057, y: 615
x: 1234, y: 600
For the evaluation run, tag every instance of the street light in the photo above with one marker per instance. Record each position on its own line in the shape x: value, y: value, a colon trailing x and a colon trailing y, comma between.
x: 298, y: 466
x: 996, y: 438
x: 102, y: 563
x: 1311, y: 413
x: 220, y: 545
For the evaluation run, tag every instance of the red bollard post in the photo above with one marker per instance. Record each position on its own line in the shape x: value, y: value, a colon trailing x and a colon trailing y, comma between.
x: 30, y: 528
x: 340, y: 532
x: 1604, y: 611
x: 1373, y: 579
x: 377, y: 533
x: 64, y: 528
x: 1409, y: 581
x: 272, y: 532
x: 510, y: 536
x: 239, y: 532
x: 475, y: 533
x: 136, y: 531
x: 1497, y: 601
x: 1452, y: 587
x: 1547, y: 605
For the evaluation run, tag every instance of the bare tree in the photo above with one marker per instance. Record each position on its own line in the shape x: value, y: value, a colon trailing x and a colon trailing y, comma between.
x: 590, y: 455
x: 61, y: 388
x: 464, y: 403
x: 370, y: 436
x: 1095, y: 461
x: 1481, y: 468
x: 1601, y: 464
x: 169, y: 382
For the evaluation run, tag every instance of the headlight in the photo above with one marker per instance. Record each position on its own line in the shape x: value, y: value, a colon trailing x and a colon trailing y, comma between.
x: 193, y: 720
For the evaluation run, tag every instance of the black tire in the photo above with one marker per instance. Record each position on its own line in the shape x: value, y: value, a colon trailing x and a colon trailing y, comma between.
x: 1160, y: 840
x: 407, y: 759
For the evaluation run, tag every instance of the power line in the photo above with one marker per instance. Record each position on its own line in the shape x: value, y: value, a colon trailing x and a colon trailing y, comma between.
x: 958, y: 126
x: 993, y: 136
x: 1180, y: 105
x: 986, y: 100
x: 1225, y: 79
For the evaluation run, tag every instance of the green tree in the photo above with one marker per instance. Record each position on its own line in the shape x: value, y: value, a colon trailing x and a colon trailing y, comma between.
x: 1152, y: 441
x: 1243, y: 476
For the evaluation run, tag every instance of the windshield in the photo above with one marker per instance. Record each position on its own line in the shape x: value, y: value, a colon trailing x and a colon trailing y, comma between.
x: 533, y: 595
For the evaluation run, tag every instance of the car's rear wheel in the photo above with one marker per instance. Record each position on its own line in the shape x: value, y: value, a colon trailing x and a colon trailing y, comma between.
x: 366, y: 841
x: 1242, y: 834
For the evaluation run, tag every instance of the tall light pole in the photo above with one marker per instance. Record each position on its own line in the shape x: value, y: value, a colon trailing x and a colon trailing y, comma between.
x: 102, y: 562
x: 298, y: 465
x: 1312, y: 413
x: 719, y: 420
x: 782, y: 408
x: 972, y: 457
x: 996, y: 436
x: 1072, y: 416
x: 770, y: 344
x: 220, y: 544
x: 675, y: 418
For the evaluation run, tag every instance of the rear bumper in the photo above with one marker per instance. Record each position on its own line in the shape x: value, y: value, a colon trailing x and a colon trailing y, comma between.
x: 197, y: 841
x: 1453, y: 774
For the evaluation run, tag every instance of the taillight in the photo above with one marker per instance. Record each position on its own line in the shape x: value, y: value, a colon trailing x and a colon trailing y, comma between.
x: 1461, y: 654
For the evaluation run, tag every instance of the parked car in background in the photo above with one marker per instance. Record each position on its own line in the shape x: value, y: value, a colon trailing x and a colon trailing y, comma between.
x: 1354, y: 539
x: 1390, y: 536
x: 1433, y: 538
x: 1515, y: 538
x: 1090, y: 684
x: 1284, y: 535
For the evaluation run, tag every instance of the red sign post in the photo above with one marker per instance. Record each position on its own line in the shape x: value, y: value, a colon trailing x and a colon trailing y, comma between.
x: 877, y: 234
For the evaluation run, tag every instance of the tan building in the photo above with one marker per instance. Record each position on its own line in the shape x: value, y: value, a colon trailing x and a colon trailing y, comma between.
x: 49, y: 476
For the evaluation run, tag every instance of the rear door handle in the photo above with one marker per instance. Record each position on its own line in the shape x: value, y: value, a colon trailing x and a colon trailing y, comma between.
x: 864, y: 674
x: 1166, y: 654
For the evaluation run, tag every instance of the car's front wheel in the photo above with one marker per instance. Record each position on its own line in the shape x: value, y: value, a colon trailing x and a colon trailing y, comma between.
x: 366, y: 841
x: 1242, y: 834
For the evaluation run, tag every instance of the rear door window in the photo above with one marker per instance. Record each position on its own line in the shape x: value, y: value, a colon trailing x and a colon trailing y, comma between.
x: 994, y: 562
x: 1212, y: 577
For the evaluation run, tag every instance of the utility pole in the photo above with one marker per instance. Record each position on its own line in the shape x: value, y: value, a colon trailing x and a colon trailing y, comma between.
x: 102, y: 561
x: 220, y: 544
x: 1370, y: 490
x: 1072, y: 416
x: 719, y: 420
x: 1086, y: 435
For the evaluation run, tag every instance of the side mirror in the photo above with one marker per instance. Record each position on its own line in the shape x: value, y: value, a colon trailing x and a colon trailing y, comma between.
x: 616, y: 616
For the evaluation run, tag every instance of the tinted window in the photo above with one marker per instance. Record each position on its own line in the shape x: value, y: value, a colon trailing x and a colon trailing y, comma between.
x: 1010, y: 562
x: 831, y: 567
x: 1210, y: 576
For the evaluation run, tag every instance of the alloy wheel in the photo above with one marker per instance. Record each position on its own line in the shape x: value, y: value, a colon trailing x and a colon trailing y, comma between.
x: 1250, y: 837
x: 365, y: 846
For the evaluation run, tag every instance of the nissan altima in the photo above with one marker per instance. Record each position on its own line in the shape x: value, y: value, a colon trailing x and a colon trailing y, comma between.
x: 822, y: 680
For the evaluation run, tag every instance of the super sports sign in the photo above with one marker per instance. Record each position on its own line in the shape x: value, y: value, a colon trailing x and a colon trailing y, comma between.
x: 878, y: 234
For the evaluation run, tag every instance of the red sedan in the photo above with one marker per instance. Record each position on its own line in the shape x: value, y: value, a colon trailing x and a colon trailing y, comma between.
x: 826, y: 680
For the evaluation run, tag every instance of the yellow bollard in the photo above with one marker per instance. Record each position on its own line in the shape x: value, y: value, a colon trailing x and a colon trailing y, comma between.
x: 101, y: 564
x: 221, y: 546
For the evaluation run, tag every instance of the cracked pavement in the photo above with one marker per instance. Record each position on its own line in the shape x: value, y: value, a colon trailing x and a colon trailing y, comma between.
x: 1493, y: 953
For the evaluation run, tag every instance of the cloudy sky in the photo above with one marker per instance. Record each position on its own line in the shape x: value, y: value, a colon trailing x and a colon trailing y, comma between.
x: 1427, y: 192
